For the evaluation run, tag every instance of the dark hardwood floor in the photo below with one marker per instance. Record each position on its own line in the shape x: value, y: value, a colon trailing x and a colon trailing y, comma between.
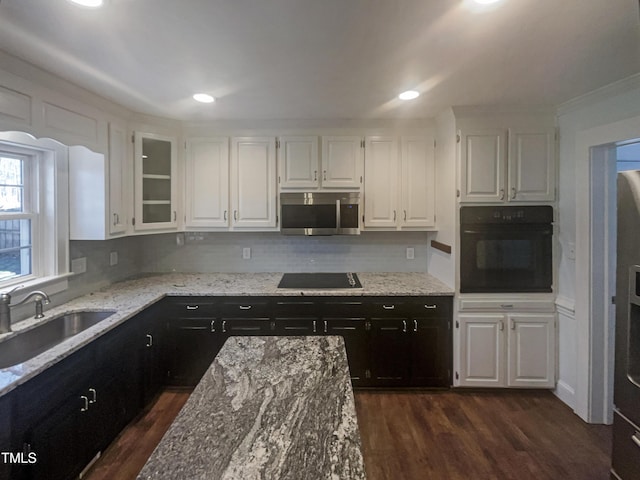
x: 437, y: 435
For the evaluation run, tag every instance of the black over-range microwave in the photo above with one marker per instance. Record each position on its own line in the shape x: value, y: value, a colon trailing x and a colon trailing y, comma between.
x: 320, y: 213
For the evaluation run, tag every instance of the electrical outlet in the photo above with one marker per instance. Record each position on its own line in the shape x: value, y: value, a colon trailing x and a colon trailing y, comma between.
x: 246, y: 253
x: 79, y: 265
x: 113, y: 258
x: 410, y: 253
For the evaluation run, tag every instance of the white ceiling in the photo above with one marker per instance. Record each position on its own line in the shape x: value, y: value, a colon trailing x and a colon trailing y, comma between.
x: 306, y: 59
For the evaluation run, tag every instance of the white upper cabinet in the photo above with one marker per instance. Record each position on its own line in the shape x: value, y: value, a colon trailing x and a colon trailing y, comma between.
x: 155, y: 192
x: 381, y: 182
x: 119, y: 179
x: 532, y: 165
x: 418, y: 182
x: 253, y: 182
x: 482, y: 161
x: 399, y: 183
x: 523, y: 173
x: 342, y: 162
x: 298, y: 163
x: 207, y: 182
x: 99, y: 189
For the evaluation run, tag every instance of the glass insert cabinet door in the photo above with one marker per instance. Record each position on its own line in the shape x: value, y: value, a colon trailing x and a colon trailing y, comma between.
x: 155, y: 171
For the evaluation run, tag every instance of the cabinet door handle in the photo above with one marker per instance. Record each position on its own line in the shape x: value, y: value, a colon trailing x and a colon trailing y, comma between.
x: 94, y: 395
x: 315, y: 175
x: 235, y: 215
x: 149, y: 340
x: 244, y: 307
x: 388, y: 307
x: 225, y: 214
x: 175, y: 215
x: 326, y: 329
x: 324, y: 175
x: 405, y: 215
x: 415, y: 325
x: 224, y: 325
x: 394, y: 215
x: 193, y: 307
x: 635, y: 439
x: 85, y: 399
x: 115, y: 218
x: 404, y: 326
x: 314, y: 326
x: 513, y: 324
x: 501, y: 325
x: 513, y: 193
x: 431, y: 307
x: 213, y: 325
x: 502, y: 194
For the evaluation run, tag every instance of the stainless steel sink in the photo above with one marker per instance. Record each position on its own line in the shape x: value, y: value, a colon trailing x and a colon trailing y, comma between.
x: 37, y: 340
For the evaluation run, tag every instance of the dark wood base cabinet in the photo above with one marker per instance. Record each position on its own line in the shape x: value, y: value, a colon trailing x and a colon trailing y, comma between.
x: 59, y: 420
x: 625, y: 460
x: 390, y: 341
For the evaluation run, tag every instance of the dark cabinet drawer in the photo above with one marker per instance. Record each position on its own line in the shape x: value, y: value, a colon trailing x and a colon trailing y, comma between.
x: 625, y: 458
x: 294, y: 308
x: 344, y: 307
x: 193, y: 306
x: 429, y: 307
x: 245, y: 307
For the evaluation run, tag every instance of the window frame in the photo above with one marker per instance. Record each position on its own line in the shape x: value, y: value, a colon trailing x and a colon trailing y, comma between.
x: 49, y: 205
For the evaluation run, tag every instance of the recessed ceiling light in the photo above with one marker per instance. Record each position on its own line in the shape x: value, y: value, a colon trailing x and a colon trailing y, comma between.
x: 203, y: 98
x: 88, y: 3
x: 409, y: 95
x: 486, y: 2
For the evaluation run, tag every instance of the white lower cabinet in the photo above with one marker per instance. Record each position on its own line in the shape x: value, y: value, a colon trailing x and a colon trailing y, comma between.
x: 506, y: 350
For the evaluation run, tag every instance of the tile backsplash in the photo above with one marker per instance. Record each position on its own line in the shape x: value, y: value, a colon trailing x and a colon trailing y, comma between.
x: 210, y: 252
x: 273, y: 252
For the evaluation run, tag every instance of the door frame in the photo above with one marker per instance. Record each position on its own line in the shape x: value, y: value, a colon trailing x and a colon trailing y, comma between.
x: 594, y: 342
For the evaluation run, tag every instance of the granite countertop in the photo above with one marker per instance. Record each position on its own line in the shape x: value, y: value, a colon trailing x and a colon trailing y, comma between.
x: 130, y: 297
x: 268, y: 407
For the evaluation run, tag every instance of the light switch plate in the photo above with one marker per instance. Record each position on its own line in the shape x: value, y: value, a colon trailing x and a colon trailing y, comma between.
x: 410, y: 253
x: 246, y: 253
x: 113, y: 258
x: 79, y: 265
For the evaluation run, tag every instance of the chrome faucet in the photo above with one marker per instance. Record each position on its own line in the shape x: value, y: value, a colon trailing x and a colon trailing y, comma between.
x: 5, y: 306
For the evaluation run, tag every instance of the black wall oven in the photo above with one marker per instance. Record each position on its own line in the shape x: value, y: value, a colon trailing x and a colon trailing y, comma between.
x: 506, y: 249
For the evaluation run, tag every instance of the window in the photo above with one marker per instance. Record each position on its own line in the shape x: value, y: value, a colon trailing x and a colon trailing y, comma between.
x: 17, y: 217
x: 33, y: 213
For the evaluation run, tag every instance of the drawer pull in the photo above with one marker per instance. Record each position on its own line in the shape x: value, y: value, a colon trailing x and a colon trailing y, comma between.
x: 213, y: 325
x: 635, y: 439
x: 245, y: 307
x: 224, y: 324
x: 193, y: 307
x: 86, y: 403
x: 314, y: 327
x: 94, y: 395
x: 149, y: 340
x: 325, y: 327
x: 431, y: 307
x: 404, y: 326
x: 506, y: 305
x: 388, y: 307
x: 415, y: 325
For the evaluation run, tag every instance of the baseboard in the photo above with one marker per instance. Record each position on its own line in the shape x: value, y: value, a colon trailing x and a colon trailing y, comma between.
x: 566, y: 393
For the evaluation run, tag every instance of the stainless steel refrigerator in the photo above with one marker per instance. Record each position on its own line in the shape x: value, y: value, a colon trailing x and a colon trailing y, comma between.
x: 626, y: 423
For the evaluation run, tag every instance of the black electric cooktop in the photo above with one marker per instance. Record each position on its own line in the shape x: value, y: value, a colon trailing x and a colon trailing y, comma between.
x: 306, y: 281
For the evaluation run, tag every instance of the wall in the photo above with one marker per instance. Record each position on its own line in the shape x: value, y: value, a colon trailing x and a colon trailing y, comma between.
x: 273, y: 252
x: 576, y: 119
x: 440, y: 264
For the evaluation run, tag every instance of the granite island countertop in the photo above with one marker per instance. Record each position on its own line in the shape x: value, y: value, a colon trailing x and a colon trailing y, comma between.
x: 280, y: 408
x: 130, y: 297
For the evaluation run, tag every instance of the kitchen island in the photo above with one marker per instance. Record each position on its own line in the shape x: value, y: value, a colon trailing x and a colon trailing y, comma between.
x: 268, y: 407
